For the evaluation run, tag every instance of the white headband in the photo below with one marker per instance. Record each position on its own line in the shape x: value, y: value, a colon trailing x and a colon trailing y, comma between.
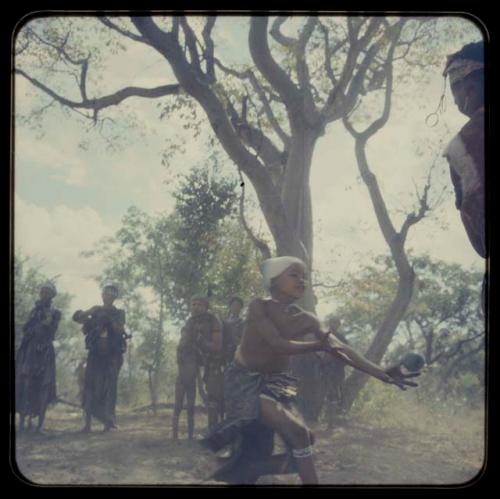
x: 273, y: 267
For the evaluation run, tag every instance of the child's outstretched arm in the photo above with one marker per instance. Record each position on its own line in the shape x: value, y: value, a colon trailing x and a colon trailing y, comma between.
x: 358, y: 361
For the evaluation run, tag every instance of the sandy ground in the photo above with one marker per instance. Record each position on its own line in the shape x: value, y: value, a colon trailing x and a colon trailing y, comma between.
x: 141, y: 452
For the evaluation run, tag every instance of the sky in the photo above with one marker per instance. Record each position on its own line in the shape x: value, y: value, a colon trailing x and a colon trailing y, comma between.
x: 71, y: 191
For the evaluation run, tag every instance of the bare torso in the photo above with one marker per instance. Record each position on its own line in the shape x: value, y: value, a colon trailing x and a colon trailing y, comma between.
x: 292, y: 323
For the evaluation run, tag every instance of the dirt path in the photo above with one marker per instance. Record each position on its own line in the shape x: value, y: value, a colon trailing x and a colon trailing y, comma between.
x: 141, y: 452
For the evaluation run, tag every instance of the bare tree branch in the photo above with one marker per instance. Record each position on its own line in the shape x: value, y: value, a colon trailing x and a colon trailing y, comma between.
x: 191, y: 44
x: 261, y: 55
x: 98, y: 103
x: 278, y: 35
x: 328, y: 54
x: 301, y: 64
x: 20, y: 50
x: 255, y: 138
x: 307, y: 32
x: 109, y: 24
x: 209, y: 47
x: 340, y: 102
x: 456, y: 349
x: 285, y: 138
x: 175, y: 27
x: 108, y: 100
x: 460, y: 358
x: 413, y: 218
x: 248, y: 74
x: 388, y: 69
x: 424, y: 206
x: 378, y: 124
x: 258, y: 243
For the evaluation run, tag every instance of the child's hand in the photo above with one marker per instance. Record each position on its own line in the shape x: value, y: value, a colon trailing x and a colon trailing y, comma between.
x: 396, y: 377
x: 331, y: 343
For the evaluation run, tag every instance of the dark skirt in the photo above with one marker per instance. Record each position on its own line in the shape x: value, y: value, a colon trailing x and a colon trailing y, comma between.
x: 100, y: 385
x: 242, y: 391
x: 35, y: 378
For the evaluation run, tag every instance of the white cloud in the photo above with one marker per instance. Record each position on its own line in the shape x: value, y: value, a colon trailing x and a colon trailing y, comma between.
x: 57, y: 158
x: 57, y: 236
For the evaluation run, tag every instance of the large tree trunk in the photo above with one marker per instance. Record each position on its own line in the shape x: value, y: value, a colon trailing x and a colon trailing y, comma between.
x: 297, y: 201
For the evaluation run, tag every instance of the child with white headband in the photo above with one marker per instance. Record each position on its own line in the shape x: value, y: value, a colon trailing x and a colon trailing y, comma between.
x: 258, y: 385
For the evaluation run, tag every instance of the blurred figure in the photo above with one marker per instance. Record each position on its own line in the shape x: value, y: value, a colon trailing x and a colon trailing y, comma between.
x: 232, y: 328
x: 188, y: 364
x: 105, y: 339
x: 465, y: 153
x: 80, y: 378
x: 36, y: 362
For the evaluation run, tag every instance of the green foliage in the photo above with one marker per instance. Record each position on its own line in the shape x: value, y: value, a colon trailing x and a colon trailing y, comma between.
x: 160, y: 261
x: 444, y: 321
x: 375, y: 403
x: 235, y: 269
x: 139, y: 259
x: 204, y: 199
x: 364, y: 300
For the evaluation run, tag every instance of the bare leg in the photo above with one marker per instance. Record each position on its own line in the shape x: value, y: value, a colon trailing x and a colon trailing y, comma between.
x: 109, y: 425
x: 191, y: 399
x: 293, y: 430
x: 213, y: 411
x: 329, y: 413
x: 179, y: 401
x: 41, y: 415
x: 215, y: 392
x: 41, y: 419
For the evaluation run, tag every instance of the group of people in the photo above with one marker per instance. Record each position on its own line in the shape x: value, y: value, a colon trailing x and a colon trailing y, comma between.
x: 206, y: 347
x: 105, y: 339
x: 244, y: 365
